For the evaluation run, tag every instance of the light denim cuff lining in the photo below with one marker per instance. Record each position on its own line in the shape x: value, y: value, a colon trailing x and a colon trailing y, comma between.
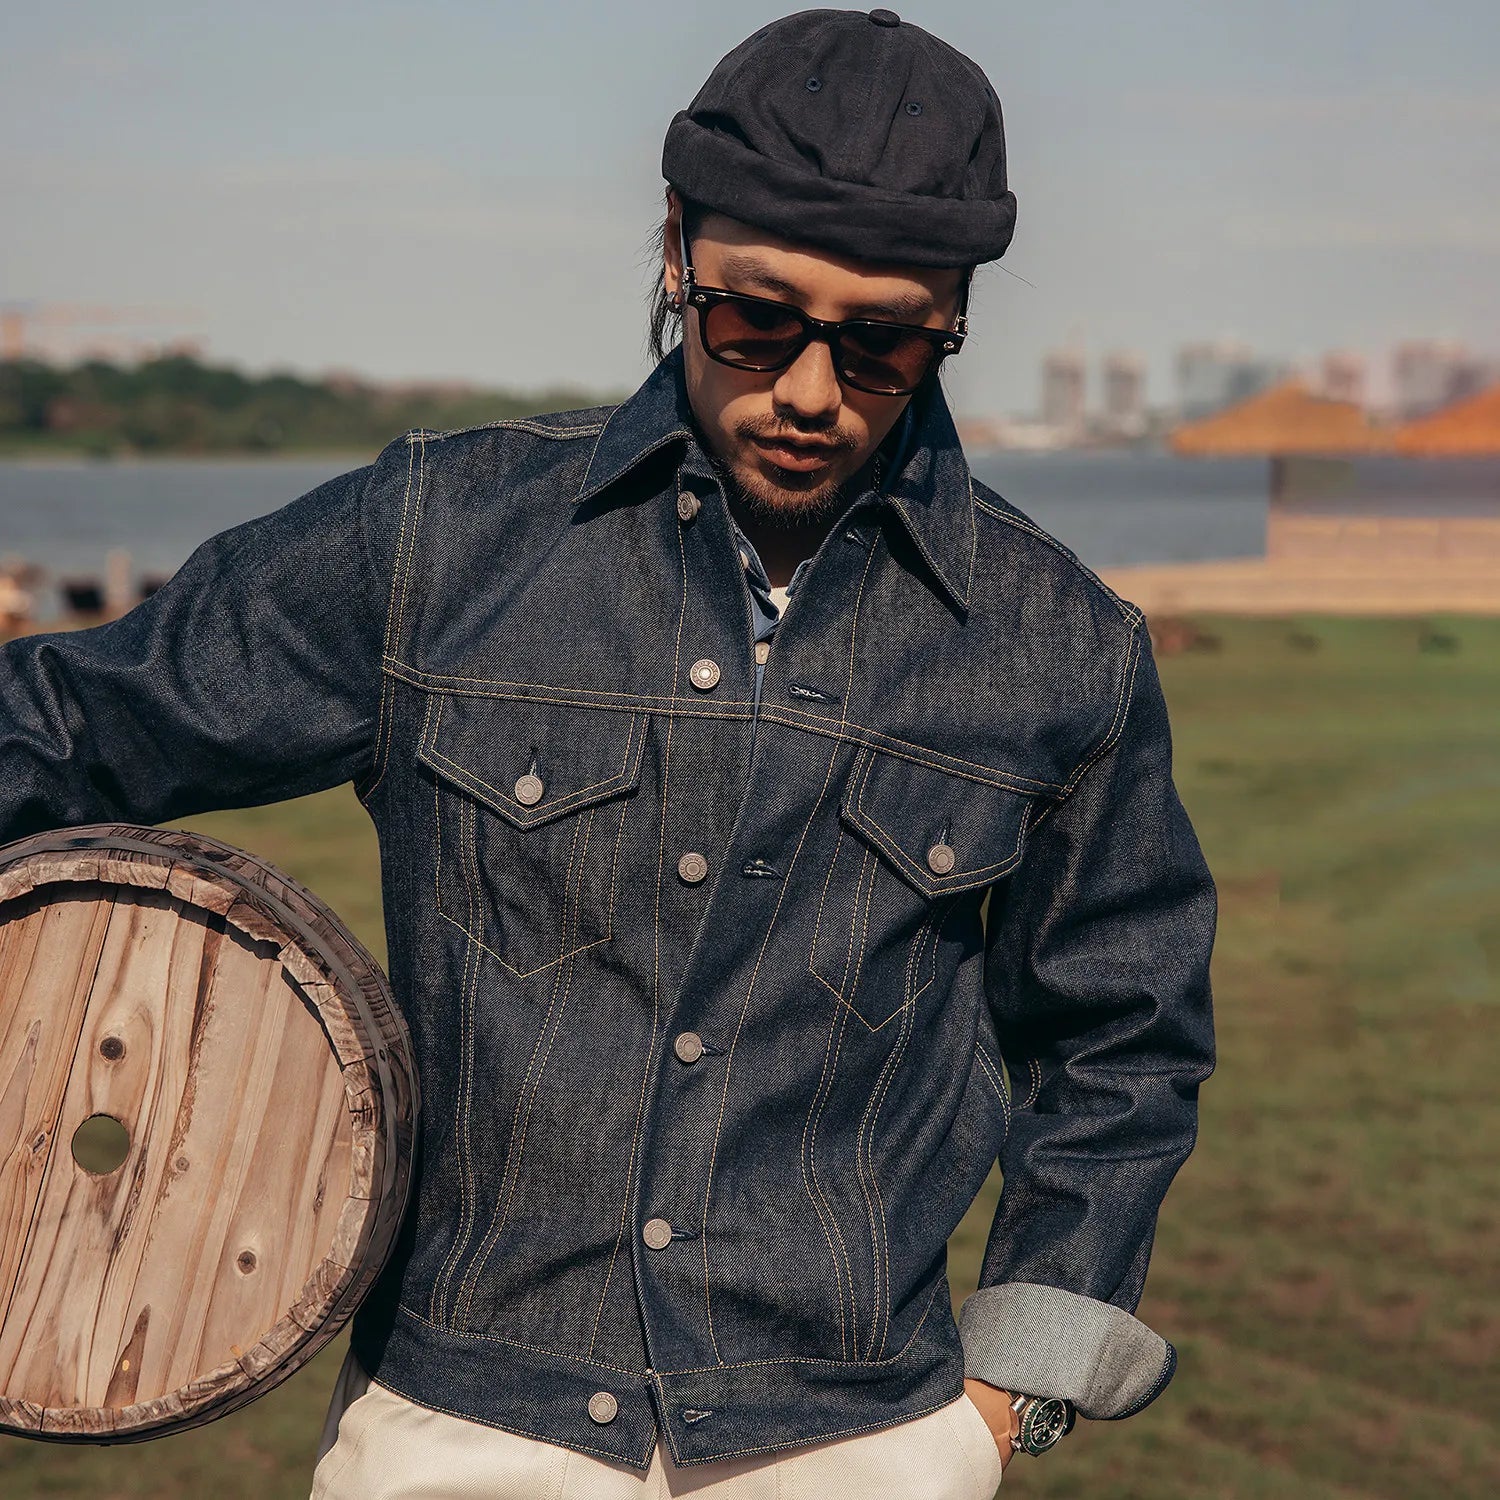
x: 1024, y: 1336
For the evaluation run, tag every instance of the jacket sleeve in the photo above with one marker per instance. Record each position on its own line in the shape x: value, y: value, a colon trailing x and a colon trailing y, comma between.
x: 1096, y: 972
x: 251, y: 675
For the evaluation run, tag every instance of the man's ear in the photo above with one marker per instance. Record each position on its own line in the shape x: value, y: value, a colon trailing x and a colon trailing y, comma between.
x: 672, y: 246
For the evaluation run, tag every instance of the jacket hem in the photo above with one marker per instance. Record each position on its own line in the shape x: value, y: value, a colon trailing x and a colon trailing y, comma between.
x: 704, y: 1415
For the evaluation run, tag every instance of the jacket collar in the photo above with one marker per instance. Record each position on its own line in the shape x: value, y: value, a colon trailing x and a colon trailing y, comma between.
x: 930, y: 492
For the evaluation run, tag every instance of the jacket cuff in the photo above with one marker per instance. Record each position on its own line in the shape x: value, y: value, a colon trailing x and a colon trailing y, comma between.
x: 1024, y: 1336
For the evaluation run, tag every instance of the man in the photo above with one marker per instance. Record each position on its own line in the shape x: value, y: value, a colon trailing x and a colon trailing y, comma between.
x: 697, y: 732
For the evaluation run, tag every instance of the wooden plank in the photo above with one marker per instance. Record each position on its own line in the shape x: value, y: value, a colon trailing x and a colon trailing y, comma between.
x: 48, y: 956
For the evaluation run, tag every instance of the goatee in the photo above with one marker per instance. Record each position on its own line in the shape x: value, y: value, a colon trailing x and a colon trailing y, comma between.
x: 775, y: 505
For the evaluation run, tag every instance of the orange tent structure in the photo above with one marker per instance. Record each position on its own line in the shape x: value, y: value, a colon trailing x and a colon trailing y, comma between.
x: 1469, y: 429
x: 1285, y: 420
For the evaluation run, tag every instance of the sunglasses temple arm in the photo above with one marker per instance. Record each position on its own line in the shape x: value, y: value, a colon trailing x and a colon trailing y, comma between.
x: 687, y: 277
x: 961, y: 322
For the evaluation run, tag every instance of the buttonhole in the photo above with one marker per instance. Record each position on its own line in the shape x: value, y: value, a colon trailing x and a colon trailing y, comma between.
x: 692, y: 1414
x: 801, y: 690
x: 758, y: 869
x: 684, y: 1234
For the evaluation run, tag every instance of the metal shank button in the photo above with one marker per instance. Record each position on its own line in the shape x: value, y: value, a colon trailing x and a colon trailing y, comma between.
x: 704, y: 673
x: 657, y: 1233
x: 692, y: 867
x: 687, y: 505
x: 603, y: 1407
x: 940, y: 859
x: 528, y: 790
x: 688, y: 1046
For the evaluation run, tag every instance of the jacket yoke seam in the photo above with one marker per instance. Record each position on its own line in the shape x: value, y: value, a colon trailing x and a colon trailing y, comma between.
x: 515, y: 424
x: 937, y: 760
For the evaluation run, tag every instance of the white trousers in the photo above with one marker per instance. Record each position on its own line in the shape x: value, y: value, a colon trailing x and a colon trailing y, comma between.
x: 378, y: 1445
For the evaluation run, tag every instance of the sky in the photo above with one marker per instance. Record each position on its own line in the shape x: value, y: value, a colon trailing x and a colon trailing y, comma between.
x: 463, y: 190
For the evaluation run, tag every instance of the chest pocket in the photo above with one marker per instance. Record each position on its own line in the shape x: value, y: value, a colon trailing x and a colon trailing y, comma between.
x: 910, y: 833
x: 529, y: 807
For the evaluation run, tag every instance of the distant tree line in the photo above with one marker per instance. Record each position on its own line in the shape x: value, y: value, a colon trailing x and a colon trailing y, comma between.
x: 176, y: 404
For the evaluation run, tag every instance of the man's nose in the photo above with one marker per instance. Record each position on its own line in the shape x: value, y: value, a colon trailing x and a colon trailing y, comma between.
x: 809, y: 386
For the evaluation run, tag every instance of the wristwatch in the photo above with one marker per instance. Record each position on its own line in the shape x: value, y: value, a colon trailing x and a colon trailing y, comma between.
x: 1044, y: 1419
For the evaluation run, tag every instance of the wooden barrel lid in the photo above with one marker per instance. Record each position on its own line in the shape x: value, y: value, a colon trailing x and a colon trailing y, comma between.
x: 250, y: 1048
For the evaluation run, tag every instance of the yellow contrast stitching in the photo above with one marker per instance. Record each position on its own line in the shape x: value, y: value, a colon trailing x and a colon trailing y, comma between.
x: 824, y: 725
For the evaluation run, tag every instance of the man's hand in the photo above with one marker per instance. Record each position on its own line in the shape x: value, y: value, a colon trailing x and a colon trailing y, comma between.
x: 994, y: 1407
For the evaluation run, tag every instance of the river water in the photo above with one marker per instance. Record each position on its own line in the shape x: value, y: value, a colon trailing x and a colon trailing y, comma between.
x: 1113, y: 507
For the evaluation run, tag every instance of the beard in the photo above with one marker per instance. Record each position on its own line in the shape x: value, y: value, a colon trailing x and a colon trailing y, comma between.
x: 795, y: 498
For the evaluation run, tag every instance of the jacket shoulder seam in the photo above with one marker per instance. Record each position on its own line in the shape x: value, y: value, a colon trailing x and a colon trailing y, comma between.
x: 1130, y: 613
x: 512, y: 424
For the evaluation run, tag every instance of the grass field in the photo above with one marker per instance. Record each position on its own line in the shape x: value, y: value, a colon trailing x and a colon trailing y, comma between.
x: 1326, y: 1260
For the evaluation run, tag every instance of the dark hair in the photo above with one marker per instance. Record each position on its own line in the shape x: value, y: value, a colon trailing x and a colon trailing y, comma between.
x: 663, y: 315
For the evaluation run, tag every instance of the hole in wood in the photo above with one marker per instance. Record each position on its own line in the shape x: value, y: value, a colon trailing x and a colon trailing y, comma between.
x: 100, y: 1144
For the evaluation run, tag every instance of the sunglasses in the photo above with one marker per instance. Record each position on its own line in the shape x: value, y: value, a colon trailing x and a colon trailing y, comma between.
x: 761, y: 335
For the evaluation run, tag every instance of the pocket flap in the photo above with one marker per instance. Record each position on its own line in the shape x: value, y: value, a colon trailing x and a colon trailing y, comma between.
x: 529, y: 761
x: 907, y: 809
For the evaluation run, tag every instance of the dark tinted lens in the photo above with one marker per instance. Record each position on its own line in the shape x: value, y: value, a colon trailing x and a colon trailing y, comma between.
x: 756, y: 335
x: 879, y: 358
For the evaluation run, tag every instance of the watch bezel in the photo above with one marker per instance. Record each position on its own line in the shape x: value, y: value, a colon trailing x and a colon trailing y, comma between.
x: 1045, y: 1420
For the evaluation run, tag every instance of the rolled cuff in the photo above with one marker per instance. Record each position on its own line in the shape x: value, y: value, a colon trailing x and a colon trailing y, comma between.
x: 1025, y: 1336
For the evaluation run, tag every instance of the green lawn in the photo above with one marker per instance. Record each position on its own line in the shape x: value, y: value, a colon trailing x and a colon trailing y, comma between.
x: 1326, y: 1259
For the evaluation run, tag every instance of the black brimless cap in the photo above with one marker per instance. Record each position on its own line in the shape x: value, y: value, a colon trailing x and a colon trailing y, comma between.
x: 859, y: 133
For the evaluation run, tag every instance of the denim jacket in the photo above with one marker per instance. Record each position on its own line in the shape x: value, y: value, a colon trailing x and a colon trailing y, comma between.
x: 718, y: 1033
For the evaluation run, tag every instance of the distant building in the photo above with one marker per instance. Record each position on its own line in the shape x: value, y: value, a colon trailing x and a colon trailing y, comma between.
x: 1433, y: 373
x: 1344, y: 376
x: 1125, y: 392
x: 1063, y: 377
x: 1214, y: 375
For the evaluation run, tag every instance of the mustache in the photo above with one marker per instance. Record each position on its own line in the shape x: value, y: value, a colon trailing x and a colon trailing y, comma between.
x: 774, y: 430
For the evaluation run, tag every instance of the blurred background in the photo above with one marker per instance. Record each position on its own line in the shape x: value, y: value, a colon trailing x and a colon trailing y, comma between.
x: 1243, y: 356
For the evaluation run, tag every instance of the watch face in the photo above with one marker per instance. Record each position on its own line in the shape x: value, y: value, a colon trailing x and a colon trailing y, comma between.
x: 1043, y: 1421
